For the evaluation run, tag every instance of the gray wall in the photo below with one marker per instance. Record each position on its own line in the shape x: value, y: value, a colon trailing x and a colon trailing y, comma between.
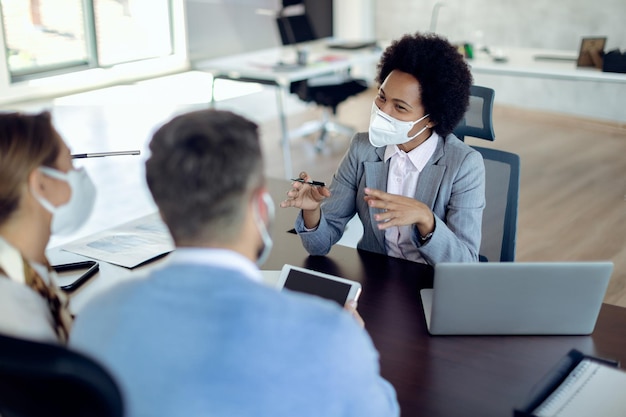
x: 223, y: 27
x: 550, y: 24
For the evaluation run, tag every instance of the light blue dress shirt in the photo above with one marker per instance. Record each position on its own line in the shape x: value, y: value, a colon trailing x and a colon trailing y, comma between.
x: 201, y: 338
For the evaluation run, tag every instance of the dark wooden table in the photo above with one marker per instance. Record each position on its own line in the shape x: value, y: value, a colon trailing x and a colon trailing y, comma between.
x: 440, y: 375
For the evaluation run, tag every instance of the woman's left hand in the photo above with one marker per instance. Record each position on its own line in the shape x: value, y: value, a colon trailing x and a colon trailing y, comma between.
x: 399, y: 210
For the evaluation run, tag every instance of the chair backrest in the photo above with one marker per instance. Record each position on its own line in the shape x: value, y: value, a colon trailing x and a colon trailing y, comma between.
x: 502, y: 170
x: 478, y: 118
x: 502, y: 183
x: 295, y: 28
x: 41, y: 379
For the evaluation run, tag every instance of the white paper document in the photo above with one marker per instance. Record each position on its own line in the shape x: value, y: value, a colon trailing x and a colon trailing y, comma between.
x: 128, y: 245
x: 591, y: 389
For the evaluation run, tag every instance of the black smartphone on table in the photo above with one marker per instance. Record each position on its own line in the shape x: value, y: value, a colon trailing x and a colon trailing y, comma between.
x: 68, y: 278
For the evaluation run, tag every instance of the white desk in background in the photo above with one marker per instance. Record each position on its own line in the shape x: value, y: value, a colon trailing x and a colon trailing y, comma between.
x: 543, y: 63
x: 544, y: 79
x: 264, y: 67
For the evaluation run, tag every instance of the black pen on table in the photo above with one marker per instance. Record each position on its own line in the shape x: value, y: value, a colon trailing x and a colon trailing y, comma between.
x: 314, y: 183
x: 101, y: 154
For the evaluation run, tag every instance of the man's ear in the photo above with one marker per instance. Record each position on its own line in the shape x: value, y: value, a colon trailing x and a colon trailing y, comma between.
x: 264, y: 205
x: 261, y: 206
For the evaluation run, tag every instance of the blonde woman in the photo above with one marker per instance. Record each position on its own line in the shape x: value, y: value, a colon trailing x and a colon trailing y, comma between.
x: 40, y: 194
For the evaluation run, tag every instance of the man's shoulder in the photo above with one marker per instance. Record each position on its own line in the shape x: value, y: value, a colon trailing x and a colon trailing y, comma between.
x: 190, y: 291
x: 112, y: 297
x: 171, y: 278
x: 323, y: 319
x: 308, y: 305
x: 198, y: 282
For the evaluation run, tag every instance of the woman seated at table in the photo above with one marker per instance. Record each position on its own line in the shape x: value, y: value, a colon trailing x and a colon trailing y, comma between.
x: 40, y: 193
x: 418, y: 190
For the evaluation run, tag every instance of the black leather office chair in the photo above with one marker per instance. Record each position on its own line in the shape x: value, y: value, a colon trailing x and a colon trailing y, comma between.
x: 502, y: 182
x: 326, y: 91
x: 40, y: 379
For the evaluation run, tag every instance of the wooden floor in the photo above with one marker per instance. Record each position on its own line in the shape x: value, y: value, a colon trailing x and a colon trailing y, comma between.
x: 573, y: 181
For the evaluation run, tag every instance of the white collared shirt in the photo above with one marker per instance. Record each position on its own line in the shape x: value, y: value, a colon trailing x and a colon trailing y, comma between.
x: 404, y: 171
x: 11, y: 262
x: 224, y: 258
x: 23, y: 312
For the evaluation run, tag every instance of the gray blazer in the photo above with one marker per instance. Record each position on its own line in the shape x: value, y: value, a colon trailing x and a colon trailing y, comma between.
x: 452, y: 184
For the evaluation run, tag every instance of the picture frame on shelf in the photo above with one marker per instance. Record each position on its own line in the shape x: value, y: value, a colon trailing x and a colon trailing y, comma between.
x: 591, y: 51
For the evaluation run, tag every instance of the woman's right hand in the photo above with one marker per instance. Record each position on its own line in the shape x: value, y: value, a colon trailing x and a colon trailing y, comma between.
x: 305, y: 196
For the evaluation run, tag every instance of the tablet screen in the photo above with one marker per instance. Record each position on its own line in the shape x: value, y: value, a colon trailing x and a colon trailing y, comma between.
x: 313, y: 284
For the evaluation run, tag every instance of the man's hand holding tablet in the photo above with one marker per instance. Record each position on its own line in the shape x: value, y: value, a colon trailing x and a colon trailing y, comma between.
x: 343, y: 291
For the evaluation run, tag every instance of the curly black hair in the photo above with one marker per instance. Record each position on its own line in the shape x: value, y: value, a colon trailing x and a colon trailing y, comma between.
x: 442, y: 72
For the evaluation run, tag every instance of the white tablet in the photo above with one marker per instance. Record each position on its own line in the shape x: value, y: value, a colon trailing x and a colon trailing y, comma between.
x: 317, y: 283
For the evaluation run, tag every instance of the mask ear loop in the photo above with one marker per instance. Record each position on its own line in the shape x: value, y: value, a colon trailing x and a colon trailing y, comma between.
x: 423, y: 129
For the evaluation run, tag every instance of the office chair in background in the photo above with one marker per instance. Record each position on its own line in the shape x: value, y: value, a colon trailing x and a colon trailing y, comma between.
x: 499, y: 229
x: 40, y: 379
x: 478, y: 120
x: 326, y: 91
x: 502, y: 180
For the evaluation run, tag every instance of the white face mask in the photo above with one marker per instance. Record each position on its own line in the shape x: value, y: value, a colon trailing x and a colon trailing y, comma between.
x: 263, y: 227
x: 70, y: 216
x: 385, y: 130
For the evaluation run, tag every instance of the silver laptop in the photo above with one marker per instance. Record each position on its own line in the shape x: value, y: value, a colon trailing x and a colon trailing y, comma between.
x: 516, y: 298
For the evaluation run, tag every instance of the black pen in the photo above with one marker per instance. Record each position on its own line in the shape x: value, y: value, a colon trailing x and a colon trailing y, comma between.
x: 101, y: 154
x: 315, y: 183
